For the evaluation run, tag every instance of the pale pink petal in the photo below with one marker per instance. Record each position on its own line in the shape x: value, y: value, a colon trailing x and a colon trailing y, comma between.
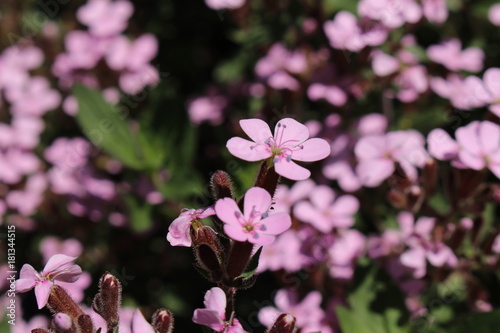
x: 371, y: 146
x: 441, y: 145
x: 236, y: 232
x: 208, y: 318
x: 291, y: 170
x: 489, y: 136
x: 42, y: 292
x: 289, y: 130
x: 261, y: 239
x: 312, y: 150
x: 471, y: 160
x: 495, y: 168
x: 28, y: 273
x: 441, y: 256
x: 406, y: 223
x: 215, y: 299
x: 415, y: 258
x: 24, y: 285
x: 257, y: 129
x: 228, y: 211
x: 424, y: 225
x: 491, y: 80
x: 68, y: 274
x: 383, y: 64
x: 209, y: 211
x: 55, y: 262
x: 322, y: 196
x: 248, y: 150
x: 277, y: 223
x: 372, y: 173
x: 179, y: 231
x: 345, y: 205
x: 256, y: 199
x: 467, y: 137
x: 267, y: 315
x: 140, y: 324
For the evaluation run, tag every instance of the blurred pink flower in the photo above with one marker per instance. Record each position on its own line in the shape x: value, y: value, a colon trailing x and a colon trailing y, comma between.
x: 50, y: 246
x: 435, y: 11
x: 207, y: 108
x: 348, y: 247
x: 491, y: 81
x: 224, y: 4
x: 494, y: 14
x: 284, y: 253
x: 140, y: 324
x: 179, y: 230
x: 255, y: 225
x: 58, y: 268
x: 464, y: 94
x: 378, y: 153
x: 105, y: 18
x: 308, y: 312
x: 213, y: 315
x: 392, y: 13
x: 450, y: 54
x: 325, y: 211
x: 290, y: 142
x: 333, y: 94
x: 286, y: 197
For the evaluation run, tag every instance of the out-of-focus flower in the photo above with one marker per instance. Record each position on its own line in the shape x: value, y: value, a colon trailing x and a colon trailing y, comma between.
x: 343, y: 253
x: 179, y: 230
x: 392, y: 14
x: 435, y: 11
x: 450, y: 54
x: 105, y: 18
x: 208, y: 108
x: 255, y: 225
x: 325, y: 211
x: 213, y: 315
x: 307, y: 312
x: 494, y: 14
x: 464, y: 94
x: 224, y: 4
x: 290, y: 142
x: 140, y: 324
x: 58, y: 268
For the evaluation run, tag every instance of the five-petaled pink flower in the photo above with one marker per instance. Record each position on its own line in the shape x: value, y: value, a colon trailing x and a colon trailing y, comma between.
x: 58, y: 268
x: 179, y: 230
x: 290, y: 142
x: 255, y: 225
x: 214, y: 315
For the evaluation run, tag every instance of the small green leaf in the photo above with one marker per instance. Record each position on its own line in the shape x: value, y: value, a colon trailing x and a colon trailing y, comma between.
x: 106, y: 127
x: 252, y: 265
x: 350, y: 322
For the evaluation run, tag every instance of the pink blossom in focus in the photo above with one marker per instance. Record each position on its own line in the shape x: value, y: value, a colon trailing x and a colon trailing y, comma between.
x: 58, y: 268
x: 179, y: 230
x: 325, y: 211
x: 105, y: 18
x: 307, y: 312
x: 290, y: 142
x: 213, y: 315
x: 450, y: 54
x: 255, y: 225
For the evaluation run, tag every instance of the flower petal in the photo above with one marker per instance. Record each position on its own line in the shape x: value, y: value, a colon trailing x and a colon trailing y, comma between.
x: 312, y: 150
x: 42, y: 292
x: 322, y: 196
x: 178, y: 231
x: 489, y: 136
x: 290, y: 131
x: 55, y: 262
x: 247, y: 150
x: 139, y: 324
x: 68, y: 274
x: 258, y: 130
x: 215, y: 299
x: 208, y: 318
x: 28, y: 272
x: 227, y: 210
x: 236, y: 232
x: 277, y: 223
x: 261, y: 239
x: 256, y: 198
x: 24, y: 285
x: 373, y: 172
x: 291, y: 170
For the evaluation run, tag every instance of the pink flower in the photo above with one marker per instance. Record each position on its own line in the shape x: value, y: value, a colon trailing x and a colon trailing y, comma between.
x: 325, y: 211
x: 179, y: 230
x: 377, y: 154
x: 435, y: 10
x: 207, y: 108
x: 285, y: 253
x: 255, y: 225
x: 286, y: 197
x: 494, y: 14
x: 140, y: 324
x: 491, y: 81
x: 58, y: 268
x: 290, y: 142
x: 479, y: 144
x: 392, y: 13
x: 344, y: 252
x: 105, y: 18
x: 464, y: 94
x: 224, y: 4
x: 308, y: 312
x: 450, y: 54
x: 213, y: 315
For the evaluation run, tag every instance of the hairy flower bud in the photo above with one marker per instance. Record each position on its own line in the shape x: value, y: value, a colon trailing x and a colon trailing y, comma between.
x: 208, y: 251
x: 85, y: 325
x: 285, y: 323
x: 61, y: 302
x: 221, y: 185
x: 163, y: 321
x: 107, y: 301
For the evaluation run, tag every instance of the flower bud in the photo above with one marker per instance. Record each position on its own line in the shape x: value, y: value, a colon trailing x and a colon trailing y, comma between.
x: 63, y: 321
x: 61, y: 302
x: 208, y: 251
x: 163, y: 321
x: 85, y: 325
x: 39, y: 330
x: 221, y: 185
x: 284, y: 324
x: 107, y: 301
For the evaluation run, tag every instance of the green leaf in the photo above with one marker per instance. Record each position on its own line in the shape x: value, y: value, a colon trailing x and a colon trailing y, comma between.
x: 332, y: 6
x: 106, y: 127
x: 376, y: 304
x: 252, y: 265
x: 484, y: 322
